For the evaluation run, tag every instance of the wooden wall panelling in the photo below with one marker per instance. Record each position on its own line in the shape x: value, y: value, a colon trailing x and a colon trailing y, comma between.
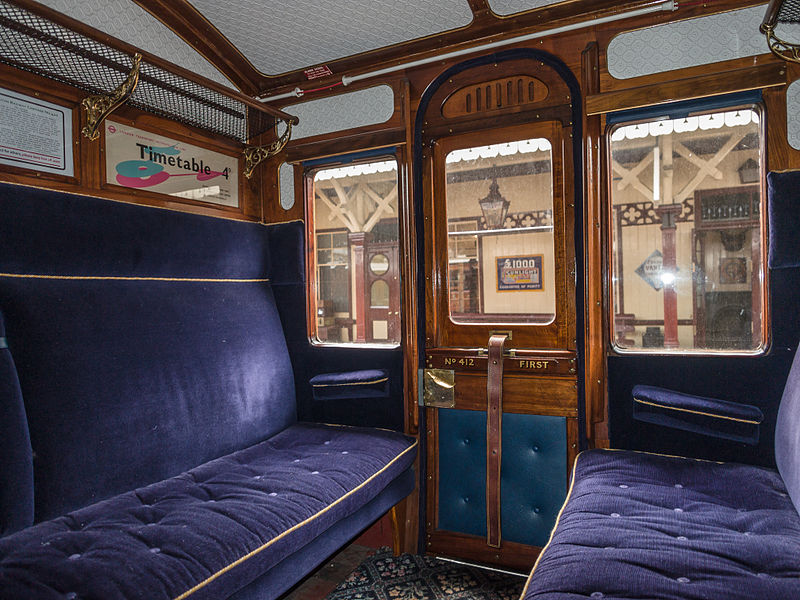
x: 595, y: 279
x: 89, y: 155
x: 780, y: 155
x: 771, y: 74
x: 272, y: 210
x: 30, y: 85
x: 409, y: 310
x: 686, y: 10
x: 409, y: 266
x: 354, y: 140
x: 431, y: 474
x: 510, y: 555
x: 572, y: 445
x: 535, y: 395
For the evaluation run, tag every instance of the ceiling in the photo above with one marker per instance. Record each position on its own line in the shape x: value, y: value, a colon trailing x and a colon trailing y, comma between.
x: 258, y: 46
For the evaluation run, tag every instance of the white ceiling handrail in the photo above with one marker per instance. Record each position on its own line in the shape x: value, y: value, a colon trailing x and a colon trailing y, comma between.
x: 667, y: 5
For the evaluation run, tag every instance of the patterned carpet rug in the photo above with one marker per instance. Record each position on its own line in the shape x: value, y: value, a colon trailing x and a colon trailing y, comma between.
x: 410, y: 577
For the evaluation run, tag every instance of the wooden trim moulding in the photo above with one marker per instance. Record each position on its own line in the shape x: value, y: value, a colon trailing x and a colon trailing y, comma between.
x: 741, y: 80
x: 487, y: 27
x: 347, y: 144
x: 185, y: 21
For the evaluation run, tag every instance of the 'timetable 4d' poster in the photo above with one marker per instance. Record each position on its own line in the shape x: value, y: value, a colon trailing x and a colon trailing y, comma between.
x: 143, y: 160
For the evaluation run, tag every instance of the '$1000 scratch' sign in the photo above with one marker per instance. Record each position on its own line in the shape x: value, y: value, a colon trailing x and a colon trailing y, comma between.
x: 139, y: 159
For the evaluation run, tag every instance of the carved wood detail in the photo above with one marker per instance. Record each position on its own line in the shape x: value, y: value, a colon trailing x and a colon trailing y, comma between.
x: 495, y: 95
x: 645, y: 213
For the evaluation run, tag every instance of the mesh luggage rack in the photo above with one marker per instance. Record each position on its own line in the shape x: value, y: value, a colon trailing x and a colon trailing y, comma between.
x: 782, y: 12
x: 34, y: 43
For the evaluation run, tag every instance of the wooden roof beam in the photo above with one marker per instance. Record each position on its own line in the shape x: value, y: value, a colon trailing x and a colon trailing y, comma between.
x: 197, y: 31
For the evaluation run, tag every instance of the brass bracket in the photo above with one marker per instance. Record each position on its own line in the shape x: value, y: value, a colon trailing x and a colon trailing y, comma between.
x: 255, y: 155
x: 99, y: 106
x: 781, y: 48
x: 438, y: 388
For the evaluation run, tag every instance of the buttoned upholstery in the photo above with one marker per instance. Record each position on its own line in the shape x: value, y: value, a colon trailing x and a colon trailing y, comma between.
x: 532, y: 479
x: 149, y: 443
x: 638, y: 525
x: 211, y: 530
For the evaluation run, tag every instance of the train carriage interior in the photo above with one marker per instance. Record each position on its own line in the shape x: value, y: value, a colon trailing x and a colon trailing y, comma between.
x: 352, y: 300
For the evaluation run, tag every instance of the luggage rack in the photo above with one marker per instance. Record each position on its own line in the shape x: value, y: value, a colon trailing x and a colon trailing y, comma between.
x: 782, y: 12
x: 39, y: 40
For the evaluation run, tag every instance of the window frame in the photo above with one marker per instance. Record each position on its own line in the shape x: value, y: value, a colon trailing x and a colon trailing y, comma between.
x: 309, y: 169
x: 673, y: 111
x: 557, y: 334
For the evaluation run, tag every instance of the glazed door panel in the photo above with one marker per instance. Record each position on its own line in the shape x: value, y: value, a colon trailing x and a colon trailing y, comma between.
x: 500, y: 260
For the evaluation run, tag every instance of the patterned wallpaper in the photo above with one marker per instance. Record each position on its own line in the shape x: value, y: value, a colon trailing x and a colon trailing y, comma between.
x: 286, y: 180
x: 127, y: 21
x: 687, y: 43
x: 335, y: 113
x: 793, y: 114
x: 509, y: 7
x: 279, y: 36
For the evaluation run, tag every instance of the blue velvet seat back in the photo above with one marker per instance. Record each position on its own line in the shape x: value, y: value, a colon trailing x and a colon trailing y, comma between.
x: 16, y: 472
x: 146, y: 342
x: 787, y: 434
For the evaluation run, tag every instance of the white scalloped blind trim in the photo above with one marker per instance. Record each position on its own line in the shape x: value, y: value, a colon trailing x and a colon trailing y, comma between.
x: 689, y: 43
x: 127, y: 21
x: 279, y: 36
x: 346, y: 111
x: 509, y: 7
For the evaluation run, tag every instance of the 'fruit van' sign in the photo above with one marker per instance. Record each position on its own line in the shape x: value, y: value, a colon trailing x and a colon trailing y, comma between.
x: 516, y: 273
x: 142, y: 160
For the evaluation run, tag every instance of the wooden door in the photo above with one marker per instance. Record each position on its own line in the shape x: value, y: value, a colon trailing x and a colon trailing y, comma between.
x: 500, y: 254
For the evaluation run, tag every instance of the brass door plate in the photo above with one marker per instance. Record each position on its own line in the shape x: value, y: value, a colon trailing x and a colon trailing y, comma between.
x: 438, y: 388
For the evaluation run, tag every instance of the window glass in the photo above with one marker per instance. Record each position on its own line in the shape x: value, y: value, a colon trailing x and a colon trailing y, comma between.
x: 686, y: 211
x: 356, y: 273
x: 499, y: 202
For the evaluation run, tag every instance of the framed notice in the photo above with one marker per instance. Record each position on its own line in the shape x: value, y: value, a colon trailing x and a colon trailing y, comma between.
x: 519, y: 273
x: 733, y: 270
x: 146, y: 161
x: 35, y: 134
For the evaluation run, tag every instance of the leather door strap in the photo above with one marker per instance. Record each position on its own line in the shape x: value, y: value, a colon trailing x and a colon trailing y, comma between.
x: 494, y: 441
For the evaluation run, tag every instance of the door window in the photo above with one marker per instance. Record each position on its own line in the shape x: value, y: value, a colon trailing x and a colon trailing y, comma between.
x: 499, y: 204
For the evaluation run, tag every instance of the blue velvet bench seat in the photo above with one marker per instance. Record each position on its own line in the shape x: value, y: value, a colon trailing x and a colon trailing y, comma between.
x: 212, y: 528
x: 149, y: 438
x: 639, y: 525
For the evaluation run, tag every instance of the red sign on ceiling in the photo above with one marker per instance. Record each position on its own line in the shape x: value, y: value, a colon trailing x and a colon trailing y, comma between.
x: 317, y: 72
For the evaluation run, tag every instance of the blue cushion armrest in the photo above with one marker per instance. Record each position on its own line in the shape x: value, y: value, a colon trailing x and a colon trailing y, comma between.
x: 707, y: 416
x: 367, y: 383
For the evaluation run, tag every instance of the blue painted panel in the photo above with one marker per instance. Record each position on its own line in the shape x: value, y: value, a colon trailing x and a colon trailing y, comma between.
x: 534, y: 476
x: 462, y: 471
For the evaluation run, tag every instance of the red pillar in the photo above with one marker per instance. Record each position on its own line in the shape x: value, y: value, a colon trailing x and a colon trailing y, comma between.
x: 359, y: 277
x: 669, y: 214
